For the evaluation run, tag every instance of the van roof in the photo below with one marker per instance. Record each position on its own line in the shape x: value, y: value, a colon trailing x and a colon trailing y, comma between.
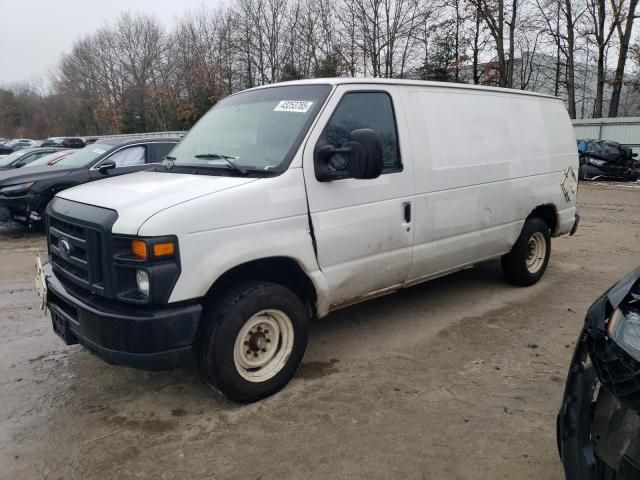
x: 415, y: 83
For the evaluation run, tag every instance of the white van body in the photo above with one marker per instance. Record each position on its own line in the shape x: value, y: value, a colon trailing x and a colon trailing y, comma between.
x: 474, y: 164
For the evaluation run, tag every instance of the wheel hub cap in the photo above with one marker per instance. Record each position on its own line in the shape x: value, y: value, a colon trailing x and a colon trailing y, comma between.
x: 263, y: 345
x: 536, y: 252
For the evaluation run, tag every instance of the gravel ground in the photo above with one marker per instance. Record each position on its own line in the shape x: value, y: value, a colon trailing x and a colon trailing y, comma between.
x: 459, y: 378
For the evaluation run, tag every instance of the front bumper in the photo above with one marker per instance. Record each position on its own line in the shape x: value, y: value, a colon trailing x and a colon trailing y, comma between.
x: 594, y: 435
x: 151, y: 339
x: 598, y: 426
x: 24, y: 208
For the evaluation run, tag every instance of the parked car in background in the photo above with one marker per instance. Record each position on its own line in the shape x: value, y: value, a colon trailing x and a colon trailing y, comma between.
x: 4, y: 150
x: 605, y: 159
x: 24, y: 157
x: 89, y: 140
x: 66, y: 142
x: 599, y: 421
x: 26, y: 192
x: 19, y: 144
x: 51, y: 158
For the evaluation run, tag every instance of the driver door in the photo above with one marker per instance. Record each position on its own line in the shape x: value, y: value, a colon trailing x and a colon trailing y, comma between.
x: 363, y: 228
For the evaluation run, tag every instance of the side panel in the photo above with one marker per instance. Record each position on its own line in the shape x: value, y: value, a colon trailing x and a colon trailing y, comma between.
x: 364, y: 243
x: 483, y: 162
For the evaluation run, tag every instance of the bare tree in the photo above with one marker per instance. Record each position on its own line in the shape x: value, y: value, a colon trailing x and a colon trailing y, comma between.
x: 624, y: 39
x: 603, y: 25
x: 501, y: 22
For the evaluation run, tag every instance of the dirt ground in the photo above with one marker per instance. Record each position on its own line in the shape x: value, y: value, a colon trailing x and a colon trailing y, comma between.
x: 459, y: 378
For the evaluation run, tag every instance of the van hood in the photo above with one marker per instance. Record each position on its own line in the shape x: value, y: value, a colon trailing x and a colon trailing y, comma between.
x: 138, y: 196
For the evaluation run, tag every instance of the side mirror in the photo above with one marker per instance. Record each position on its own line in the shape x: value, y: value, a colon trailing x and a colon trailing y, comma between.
x: 106, y: 166
x: 19, y: 164
x: 363, y: 156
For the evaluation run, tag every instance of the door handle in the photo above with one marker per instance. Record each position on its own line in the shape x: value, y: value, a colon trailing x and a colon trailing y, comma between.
x: 407, y: 212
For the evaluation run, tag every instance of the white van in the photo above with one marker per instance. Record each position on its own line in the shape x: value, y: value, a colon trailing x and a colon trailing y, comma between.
x: 287, y: 202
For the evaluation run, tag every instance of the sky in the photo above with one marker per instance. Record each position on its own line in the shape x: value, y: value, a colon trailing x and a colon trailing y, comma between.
x: 35, y: 33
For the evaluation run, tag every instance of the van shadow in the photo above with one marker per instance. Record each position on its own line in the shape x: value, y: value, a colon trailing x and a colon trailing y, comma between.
x: 384, y: 323
x: 376, y: 326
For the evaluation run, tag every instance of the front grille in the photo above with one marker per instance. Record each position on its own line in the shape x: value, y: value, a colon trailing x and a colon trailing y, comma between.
x: 76, y: 253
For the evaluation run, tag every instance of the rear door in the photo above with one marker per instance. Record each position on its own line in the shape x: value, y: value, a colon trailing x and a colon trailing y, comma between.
x: 362, y: 228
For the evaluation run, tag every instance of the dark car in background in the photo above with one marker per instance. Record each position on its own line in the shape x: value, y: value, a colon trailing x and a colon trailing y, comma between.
x: 26, y: 192
x: 605, y: 159
x: 24, y: 157
x: 599, y: 421
x: 66, y: 142
x: 4, y: 150
x: 19, y: 144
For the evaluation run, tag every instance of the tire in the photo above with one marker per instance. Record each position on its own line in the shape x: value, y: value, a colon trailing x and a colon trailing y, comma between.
x: 249, y: 325
x: 522, y: 266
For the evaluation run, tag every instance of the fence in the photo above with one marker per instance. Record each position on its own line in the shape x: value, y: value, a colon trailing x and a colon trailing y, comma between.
x: 175, y: 134
x: 622, y: 130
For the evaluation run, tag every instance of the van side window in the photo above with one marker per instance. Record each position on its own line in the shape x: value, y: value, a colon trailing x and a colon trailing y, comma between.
x: 358, y: 110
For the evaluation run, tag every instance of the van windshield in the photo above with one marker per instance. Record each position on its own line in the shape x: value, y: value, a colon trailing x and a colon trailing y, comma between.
x: 254, y: 131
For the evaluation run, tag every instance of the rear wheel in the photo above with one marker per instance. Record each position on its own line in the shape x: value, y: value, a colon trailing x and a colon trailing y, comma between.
x: 254, y: 339
x: 529, y: 257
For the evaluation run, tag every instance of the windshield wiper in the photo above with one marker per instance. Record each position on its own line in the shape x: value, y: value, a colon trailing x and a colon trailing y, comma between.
x: 227, y: 158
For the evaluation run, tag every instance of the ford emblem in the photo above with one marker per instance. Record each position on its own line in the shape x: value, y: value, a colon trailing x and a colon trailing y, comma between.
x: 64, y: 247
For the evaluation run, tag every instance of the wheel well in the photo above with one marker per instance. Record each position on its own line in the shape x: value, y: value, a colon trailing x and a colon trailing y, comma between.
x: 549, y: 214
x: 281, y: 270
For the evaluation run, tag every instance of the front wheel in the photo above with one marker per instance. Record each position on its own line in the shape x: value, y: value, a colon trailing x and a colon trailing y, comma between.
x: 529, y: 257
x: 254, y: 339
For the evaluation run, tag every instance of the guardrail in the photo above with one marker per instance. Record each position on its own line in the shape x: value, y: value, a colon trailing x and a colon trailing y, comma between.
x: 173, y: 134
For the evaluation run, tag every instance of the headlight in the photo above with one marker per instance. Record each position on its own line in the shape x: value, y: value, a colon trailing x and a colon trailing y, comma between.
x: 596, y: 162
x: 142, y: 281
x: 13, y: 189
x: 145, y: 268
x: 624, y: 330
x: 151, y: 249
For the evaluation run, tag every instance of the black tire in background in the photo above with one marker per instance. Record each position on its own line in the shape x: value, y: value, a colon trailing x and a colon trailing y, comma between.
x: 518, y: 265
x: 224, y: 324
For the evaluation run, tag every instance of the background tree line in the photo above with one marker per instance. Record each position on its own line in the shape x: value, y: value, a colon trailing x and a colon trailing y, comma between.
x: 137, y: 75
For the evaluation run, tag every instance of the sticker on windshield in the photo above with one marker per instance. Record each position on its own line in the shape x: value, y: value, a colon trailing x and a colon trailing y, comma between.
x: 97, y: 150
x: 295, y: 106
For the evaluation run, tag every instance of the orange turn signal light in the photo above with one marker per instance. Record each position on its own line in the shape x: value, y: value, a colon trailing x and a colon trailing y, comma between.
x: 139, y: 249
x: 164, y: 249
